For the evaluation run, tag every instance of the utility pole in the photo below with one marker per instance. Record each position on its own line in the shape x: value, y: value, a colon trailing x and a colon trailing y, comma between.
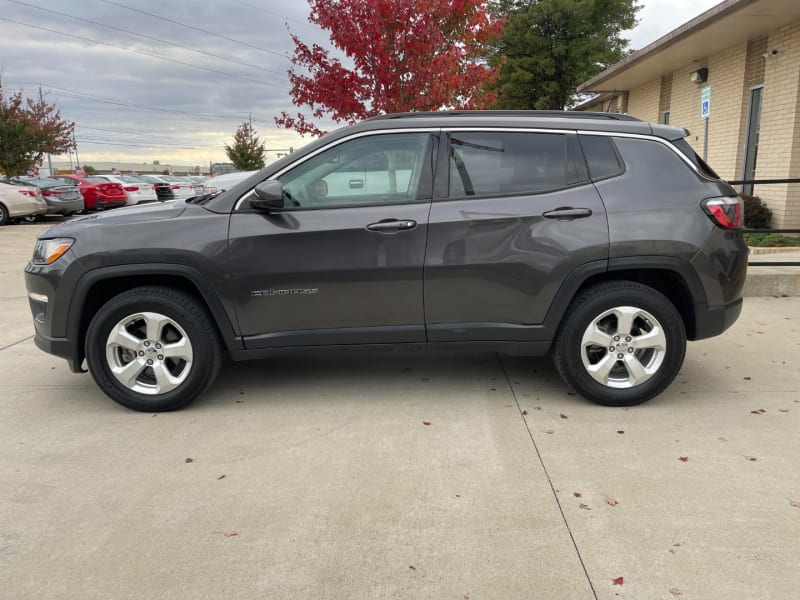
x: 49, y: 157
x: 77, y: 159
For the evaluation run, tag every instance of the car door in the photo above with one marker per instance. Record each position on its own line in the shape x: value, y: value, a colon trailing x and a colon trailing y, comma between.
x: 343, y: 264
x: 515, y: 213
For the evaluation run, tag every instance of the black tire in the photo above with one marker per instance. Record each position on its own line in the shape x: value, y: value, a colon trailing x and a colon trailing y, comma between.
x: 180, y: 309
x: 4, y: 219
x: 30, y: 218
x: 586, y: 309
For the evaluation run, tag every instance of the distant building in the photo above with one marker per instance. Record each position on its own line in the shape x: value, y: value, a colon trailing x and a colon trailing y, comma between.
x: 127, y: 167
x: 744, y: 57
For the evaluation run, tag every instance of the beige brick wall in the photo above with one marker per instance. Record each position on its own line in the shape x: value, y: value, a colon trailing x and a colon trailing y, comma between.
x: 779, y: 144
x: 643, y: 101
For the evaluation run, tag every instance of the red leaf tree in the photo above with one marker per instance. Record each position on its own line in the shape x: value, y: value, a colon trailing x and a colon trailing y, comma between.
x: 406, y: 55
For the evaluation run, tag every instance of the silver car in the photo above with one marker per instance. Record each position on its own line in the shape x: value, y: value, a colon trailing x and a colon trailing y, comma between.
x: 18, y: 201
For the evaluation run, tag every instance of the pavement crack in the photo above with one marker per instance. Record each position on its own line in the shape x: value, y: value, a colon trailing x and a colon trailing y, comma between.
x: 547, y: 475
x: 30, y: 337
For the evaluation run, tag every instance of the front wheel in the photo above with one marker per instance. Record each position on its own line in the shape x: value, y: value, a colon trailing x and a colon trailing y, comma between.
x: 153, y: 349
x: 620, y: 343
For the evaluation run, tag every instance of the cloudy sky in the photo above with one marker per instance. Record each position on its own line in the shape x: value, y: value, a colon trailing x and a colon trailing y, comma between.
x: 151, y: 80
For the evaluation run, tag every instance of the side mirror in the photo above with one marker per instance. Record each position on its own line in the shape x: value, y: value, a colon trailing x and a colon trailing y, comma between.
x: 269, y: 196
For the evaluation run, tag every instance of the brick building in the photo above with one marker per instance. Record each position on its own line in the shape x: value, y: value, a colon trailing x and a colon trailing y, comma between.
x: 745, y: 54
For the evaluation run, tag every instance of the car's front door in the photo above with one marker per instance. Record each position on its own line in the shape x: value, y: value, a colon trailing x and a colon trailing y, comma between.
x: 517, y: 214
x: 343, y: 265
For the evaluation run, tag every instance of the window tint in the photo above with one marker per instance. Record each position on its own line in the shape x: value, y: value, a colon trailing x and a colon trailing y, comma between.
x: 687, y: 150
x: 656, y: 164
x: 98, y: 179
x: 488, y: 164
x: 602, y: 157
x: 378, y: 169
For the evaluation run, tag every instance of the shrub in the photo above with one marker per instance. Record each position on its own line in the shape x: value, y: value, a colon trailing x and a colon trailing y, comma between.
x: 756, y: 213
x: 770, y: 240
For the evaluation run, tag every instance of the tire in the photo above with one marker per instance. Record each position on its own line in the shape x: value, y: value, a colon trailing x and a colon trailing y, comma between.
x: 4, y: 219
x: 599, y: 319
x: 164, y: 326
x: 30, y: 218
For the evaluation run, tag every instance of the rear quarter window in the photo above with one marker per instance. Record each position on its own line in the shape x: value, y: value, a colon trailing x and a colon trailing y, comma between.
x: 602, y: 157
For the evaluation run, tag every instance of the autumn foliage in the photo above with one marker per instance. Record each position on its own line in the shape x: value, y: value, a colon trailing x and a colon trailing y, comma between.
x: 406, y: 55
x: 29, y: 129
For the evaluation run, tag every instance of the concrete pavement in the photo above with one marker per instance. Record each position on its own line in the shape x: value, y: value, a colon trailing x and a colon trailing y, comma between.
x: 323, y: 467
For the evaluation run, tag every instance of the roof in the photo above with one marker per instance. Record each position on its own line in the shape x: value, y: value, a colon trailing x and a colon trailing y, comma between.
x: 727, y: 24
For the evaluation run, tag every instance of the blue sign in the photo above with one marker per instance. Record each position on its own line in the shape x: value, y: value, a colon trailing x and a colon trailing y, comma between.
x: 705, y: 102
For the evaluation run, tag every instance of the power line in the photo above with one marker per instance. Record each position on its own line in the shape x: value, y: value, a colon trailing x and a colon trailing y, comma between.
x: 172, y: 60
x: 145, y: 36
x: 68, y: 93
x: 101, y: 143
x: 272, y: 12
x: 168, y: 20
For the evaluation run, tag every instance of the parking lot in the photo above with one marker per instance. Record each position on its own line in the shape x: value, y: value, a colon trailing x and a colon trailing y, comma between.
x: 403, y: 475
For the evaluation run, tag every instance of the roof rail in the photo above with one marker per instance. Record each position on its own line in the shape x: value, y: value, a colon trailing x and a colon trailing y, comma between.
x: 553, y: 114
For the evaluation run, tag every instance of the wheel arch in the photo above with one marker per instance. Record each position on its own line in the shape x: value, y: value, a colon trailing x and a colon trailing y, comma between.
x: 98, y: 286
x: 672, y: 277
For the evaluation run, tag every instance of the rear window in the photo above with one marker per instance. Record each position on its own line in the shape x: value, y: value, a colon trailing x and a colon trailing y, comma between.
x: 602, y: 157
x: 689, y: 152
x: 97, y: 179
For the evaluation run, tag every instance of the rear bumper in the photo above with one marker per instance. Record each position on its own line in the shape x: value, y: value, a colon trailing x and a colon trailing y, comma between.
x: 713, y: 320
x: 64, y: 207
x: 109, y: 202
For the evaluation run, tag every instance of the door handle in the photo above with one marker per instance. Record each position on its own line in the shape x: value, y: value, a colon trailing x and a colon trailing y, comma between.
x: 392, y: 225
x: 567, y: 213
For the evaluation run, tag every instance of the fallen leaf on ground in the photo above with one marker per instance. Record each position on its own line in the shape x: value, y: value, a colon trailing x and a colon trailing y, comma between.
x: 227, y: 532
x: 675, y: 591
x: 188, y: 460
x: 524, y: 413
x: 617, y: 581
x: 672, y: 550
x: 563, y: 416
x: 412, y: 567
x: 678, y: 544
x: 620, y: 431
x: 583, y: 506
x: 426, y: 423
x: 758, y: 411
x: 794, y: 503
x: 783, y: 410
x: 537, y: 407
x: 722, y: 439
x: 549, y: 431
x: 611, y: 501
x: 577, y: 494
x: 221, y: 477
x: 750, y: 458
x: 747, y: 378
x: 683, y: 458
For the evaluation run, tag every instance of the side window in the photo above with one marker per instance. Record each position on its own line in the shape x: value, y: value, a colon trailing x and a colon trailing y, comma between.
x: 496, y: 163
x: 379, y: 169
x: 656, y: 164
x: 602, y: 157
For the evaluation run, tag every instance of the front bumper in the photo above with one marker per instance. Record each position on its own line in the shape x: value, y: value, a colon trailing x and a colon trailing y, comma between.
x: 62, y: 347
x: 711, y: 321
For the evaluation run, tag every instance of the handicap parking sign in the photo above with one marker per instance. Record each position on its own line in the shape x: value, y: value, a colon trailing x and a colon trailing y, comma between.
x: 705, y: 102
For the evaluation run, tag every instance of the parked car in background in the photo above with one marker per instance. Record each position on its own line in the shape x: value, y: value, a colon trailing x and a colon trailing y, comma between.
x: 197, y: 184
x: 18, y: 201
x: 218, y: 184
x: 97, y: 193
x: 162, y: 189
x: 181, y: 189
x: 136, y: 192
x: 61, y: 198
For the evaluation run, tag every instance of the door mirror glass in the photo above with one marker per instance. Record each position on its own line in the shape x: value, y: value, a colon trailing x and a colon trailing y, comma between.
x: 268, y: 196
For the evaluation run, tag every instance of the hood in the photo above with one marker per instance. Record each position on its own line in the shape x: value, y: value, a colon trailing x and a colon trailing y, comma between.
x: 141, y: 213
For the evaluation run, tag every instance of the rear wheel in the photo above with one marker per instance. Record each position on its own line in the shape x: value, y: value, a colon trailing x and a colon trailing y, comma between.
x: 3, y: 215
x: 30, y: 218
x: 621, y: 343
x: 153, y: 349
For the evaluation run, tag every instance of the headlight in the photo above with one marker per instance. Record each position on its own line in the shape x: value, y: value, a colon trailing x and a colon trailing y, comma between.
x: 47, y: 252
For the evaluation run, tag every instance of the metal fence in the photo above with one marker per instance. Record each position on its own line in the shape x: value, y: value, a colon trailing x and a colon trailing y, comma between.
x: 769, y: 182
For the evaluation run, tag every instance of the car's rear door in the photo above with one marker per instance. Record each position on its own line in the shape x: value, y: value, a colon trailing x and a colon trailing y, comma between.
x: 515, y: 213
x: 344, y: 264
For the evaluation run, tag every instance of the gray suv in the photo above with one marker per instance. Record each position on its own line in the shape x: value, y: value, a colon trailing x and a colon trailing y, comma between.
x: 599, y: 238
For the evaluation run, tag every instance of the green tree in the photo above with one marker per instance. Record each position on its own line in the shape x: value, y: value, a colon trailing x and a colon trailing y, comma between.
x: 247, y: 152
x: 549, y: 47
x: 90, y: 170
x: 29, y: 129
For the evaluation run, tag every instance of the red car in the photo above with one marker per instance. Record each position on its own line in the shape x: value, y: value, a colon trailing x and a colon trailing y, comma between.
x: 97, y: 192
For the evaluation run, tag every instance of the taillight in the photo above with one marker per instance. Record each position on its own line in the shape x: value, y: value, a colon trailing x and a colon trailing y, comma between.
x: 49, y: 193
x: 726, y: 212
x: 155, y: 188
x: 174, y: 186
x: 27, y: 193
x: 191, y: 187
x: 131, y: 188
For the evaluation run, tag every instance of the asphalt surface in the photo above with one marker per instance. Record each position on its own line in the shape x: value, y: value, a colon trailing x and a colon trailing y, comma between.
x: 403, y: 475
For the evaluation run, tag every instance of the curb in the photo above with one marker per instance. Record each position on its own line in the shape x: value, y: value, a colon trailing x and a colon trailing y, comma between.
x: 772, y: 281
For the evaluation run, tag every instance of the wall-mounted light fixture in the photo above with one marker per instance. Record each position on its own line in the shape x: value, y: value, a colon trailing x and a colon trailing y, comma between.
x: 699, y: 76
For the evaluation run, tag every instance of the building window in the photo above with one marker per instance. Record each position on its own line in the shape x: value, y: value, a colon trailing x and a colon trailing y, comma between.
x: 665, y: 117
x: 751, y: 138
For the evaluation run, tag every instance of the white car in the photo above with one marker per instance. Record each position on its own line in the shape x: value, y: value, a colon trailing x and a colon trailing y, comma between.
x: 18, y: 201
x: 220, y: 183
x: 197, y: 182
x: 180, y: 189
x: 136, y: 190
